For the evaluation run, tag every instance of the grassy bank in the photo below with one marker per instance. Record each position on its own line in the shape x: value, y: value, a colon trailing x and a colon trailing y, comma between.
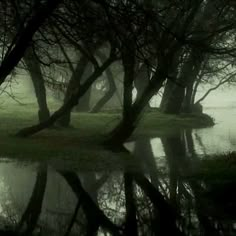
x: 88, y: 130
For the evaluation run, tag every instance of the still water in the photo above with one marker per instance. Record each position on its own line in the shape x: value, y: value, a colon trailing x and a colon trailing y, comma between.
x: 221, y: 138
x: 153, y: 199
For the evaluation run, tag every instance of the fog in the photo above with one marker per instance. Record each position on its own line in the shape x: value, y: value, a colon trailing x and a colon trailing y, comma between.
x: 117, y: 118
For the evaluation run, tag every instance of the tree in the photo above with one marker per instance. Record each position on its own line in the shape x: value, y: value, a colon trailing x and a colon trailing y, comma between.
x: 72, y: 101
x: 111, y: 87
x: 23, y: 37
x: 36, y: 75
x: 179, y: 97
x: 163, y: 36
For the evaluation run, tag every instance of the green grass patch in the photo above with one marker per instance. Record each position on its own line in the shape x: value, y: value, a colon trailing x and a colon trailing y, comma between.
x: 158, y: 124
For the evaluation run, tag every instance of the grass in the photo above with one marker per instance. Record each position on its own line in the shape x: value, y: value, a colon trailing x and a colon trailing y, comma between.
x: 80, y: 143
x: 159, y: 124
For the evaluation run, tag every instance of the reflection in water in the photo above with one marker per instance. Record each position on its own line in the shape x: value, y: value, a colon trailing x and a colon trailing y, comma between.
x: 213, y: 140
x: 197, y: 198
x: 145, y: 202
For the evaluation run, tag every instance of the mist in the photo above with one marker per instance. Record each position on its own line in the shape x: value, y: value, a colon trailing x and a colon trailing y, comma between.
x: 117, y: 118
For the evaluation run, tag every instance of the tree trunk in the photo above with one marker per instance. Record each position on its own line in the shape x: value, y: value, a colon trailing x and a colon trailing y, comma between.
x: 175, y: 102
x: 166, y: 95
x: 128, y: 124
x: 192, y: 77
x: 31, y: 215
x: 195, y: 87
x: 172, y: 92
x: 108, y: 95
x: 128, y: 59
x: 111, y: 87
x: 71, y: 102
x: 141, y: 80
x: 23, y: 40
x: 187, y: 106
x: 35, y: 72
x: 74, y: 83
x: 84, y: 102
x: 130, y: 204
x: 189, y: 71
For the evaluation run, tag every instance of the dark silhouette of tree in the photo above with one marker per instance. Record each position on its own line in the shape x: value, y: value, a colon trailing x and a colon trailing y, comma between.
x: 36, y: 75
x: 22, y: 39
x: 73, y: 83
x: 131, y: 221
x: 33, y: 65
x: 179, y: 96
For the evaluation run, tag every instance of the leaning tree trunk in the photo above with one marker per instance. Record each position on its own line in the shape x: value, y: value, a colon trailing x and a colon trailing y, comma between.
x: 35, y: 72
x: 73, y: 84
x: 108, y: 95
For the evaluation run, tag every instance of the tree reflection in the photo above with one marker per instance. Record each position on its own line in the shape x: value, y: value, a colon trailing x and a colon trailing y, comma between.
x: 199, y: 210
x: 95, y: 216
x: 137, y: 202
x: 130, y: 218
x: 32, y: 212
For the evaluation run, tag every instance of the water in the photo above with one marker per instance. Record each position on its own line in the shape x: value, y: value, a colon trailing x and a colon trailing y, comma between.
x: 221, y: 138
x: 155, y: 198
